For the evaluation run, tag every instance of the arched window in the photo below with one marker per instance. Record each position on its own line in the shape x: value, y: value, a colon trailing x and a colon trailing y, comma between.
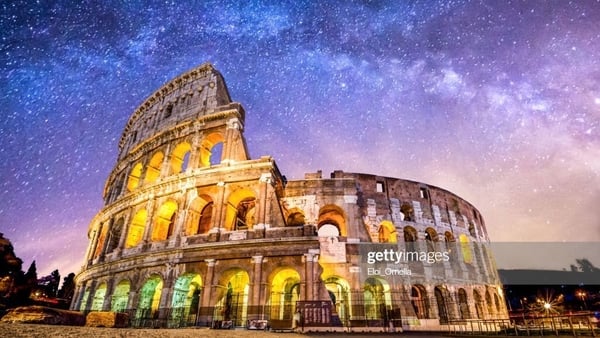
x: 387, y: 232
x: 463, y: 304
x: 418, y: 296
x: 120, y: 296
x: 410, y: 237
x: 232, y: 293
x: 333, y: 215
x: 136, y: 229
x: 164, y: 223
x: 199, y: 215
x: 150, y: 298
x: 115, y: 235
x: 99, y: 296
x: 285, y: 292
x: 407, y: 210
x: 180, y: 157
x: 153, y: 169
x: 211, y: 150
x: 134, y: 177
x: 186, y: 299
x: 244, y: 218
x: 295, y: 217
x: 431, y: 237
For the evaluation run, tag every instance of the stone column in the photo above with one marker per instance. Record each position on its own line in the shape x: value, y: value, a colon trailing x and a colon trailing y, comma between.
x: 148, y: 226
x: 124, y: 232
x: 255, y: 291
x: 106, y: 306
x: 90, y: 297
x: 206, y: 311
x: 309, y: 273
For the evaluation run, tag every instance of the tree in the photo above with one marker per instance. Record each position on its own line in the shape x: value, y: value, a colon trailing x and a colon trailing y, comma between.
x: 68, y: 288
x: 586, y: 266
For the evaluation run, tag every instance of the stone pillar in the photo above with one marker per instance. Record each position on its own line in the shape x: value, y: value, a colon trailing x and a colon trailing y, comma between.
x: 206, y: 310
x: 92, y: 247
x: 124, y: 232
x: 77, y: 296
x: 107, y: 304
x: 165, y: 168
x: 90, y: 298
x: 221, y: 206
x: 149, y: 217
x: 255, y: 288
x: 310, y: 278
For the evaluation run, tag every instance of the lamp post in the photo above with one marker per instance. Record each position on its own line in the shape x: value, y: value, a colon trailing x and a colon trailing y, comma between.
x: 581, y: 294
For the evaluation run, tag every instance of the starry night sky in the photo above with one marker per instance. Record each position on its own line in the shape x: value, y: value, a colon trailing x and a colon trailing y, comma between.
x: 496, y: 101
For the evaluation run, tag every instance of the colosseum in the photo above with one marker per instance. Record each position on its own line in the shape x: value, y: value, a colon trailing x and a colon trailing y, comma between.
x: 194, y: 232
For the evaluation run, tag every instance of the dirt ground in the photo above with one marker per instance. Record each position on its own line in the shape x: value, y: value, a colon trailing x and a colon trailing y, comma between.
x: 39, y: 330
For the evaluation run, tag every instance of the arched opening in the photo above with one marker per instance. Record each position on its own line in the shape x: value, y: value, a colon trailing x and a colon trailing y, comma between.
x: 465, y: 248
x: 99, y: 296
x: 431, y: 236
x: 418, y: 299
x: 241, y: 209
x: 136, y: 229
x: 150, y: 298
x: 115, y: 235
x: 153, y: 169
x: 134, y: 177
x: 295, y: 217
x: 120, y: 296
x: 332, y: 214
x: 339, y: 293
x: 463, y: 304
x: 101, y: 239
x: 164, y: 223
x: 441, y: 297
x: 472, y: 230
x: 199, y: 216
x: 84, y: 299
x: 479, y: 312
x: 285, y: 292
x: 387, y: 232
x: 186, y: 299
x: 377, y: 299
x: 497, y: 303
x: 407, y: 210
x: 233, y: 297
x: 211, y: 150
x: 180, y: 157
x: 410, y: 237
x: 488, y: 302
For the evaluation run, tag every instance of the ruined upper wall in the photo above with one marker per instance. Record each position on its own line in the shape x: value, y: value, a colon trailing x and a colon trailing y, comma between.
x: 192, y: 95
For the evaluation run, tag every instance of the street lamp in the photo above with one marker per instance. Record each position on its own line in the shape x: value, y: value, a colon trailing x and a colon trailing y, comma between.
x: 581, y: 294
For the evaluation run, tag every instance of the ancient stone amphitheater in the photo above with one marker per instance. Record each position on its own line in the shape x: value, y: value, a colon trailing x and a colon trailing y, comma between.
x: 195, y: 232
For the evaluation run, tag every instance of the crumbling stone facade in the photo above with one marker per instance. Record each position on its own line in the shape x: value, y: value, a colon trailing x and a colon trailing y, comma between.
x: 195, y: 232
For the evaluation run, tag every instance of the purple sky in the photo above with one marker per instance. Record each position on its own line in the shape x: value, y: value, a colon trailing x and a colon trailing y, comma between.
x: 496, y: 101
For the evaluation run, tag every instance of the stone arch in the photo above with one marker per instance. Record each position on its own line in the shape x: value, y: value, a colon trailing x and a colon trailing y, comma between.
x: 136, y: 229
x: 407, y: 210
x: 285, y: 292
x: 295, y: 217
x: 419, y: 300
x: 209, y: 149
x: 488, y: 302
x: 387, y: 232
x: 135, y: 176
x: 463, y: 304
x: 154, y: 167
x: 334, y: 215
x: 103, y: 234
x: 449, y: 237
x: 186, y: 298
x: 200, y: 215
x: 149, y: 297
x: 377, y: 298
x: 465, y: 248
x: 99, y: 296
x: 442, y: 298
x: 479, y: 306
x: 497, y: 303
x: 180, y: 157
x: 241, y: 209
x: 115, y: 234
x: 120, y: 297
x: 340, y: 295
x: 410, y: 237
x: 232, y: 296
x: 164, y: 221
x: 431, y: 236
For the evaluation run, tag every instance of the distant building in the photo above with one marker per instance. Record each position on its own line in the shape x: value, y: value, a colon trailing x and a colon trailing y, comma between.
x: 195, y: 232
